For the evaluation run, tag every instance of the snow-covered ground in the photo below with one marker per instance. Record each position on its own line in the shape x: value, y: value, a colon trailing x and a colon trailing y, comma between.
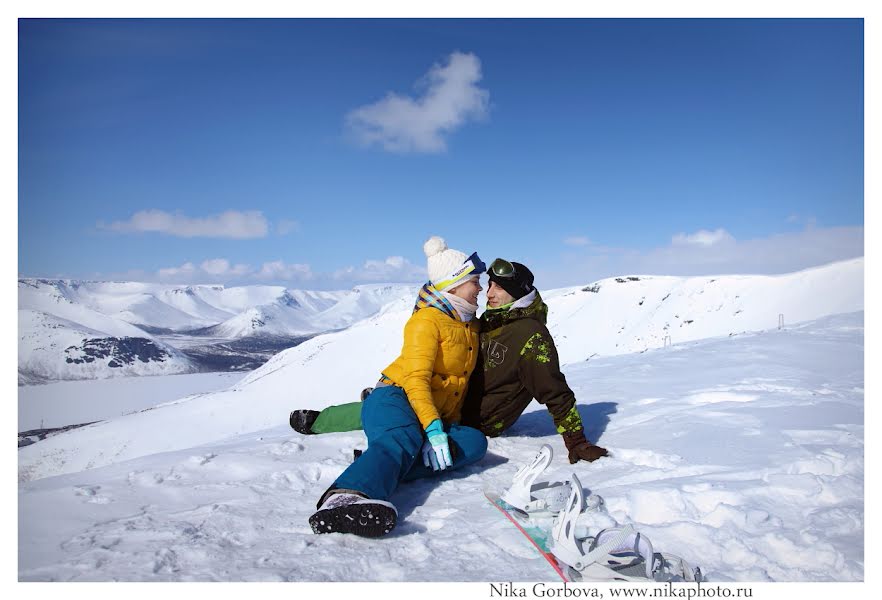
x: 71, y: 402
x: 743, y: 454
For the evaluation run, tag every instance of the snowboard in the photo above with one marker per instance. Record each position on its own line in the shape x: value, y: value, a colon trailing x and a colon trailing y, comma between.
x: 536, y: 534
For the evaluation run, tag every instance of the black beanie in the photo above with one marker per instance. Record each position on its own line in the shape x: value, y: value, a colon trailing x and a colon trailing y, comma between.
x: 518, y: 286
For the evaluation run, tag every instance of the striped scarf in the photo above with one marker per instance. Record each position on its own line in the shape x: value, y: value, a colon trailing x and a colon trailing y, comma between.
x: 429, y: 296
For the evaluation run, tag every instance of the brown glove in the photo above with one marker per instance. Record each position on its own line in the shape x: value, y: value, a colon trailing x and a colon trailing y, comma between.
x: 580, y: 448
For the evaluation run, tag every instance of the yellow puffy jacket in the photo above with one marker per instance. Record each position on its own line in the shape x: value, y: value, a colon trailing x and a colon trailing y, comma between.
x: 437, y: 358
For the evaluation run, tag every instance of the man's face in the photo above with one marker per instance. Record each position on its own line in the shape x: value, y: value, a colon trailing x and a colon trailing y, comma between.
x: 496, y: 296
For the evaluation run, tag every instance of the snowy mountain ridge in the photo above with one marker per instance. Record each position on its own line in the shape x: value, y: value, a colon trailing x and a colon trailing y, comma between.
x: 186, y: 307
x: 57, y: 315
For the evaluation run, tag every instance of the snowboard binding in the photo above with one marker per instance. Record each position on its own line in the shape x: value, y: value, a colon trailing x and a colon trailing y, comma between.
x: 537, y: 499
x: 612, y: 553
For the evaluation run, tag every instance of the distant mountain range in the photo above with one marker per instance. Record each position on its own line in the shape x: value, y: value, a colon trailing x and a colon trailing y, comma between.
x: 83, y: 330
x: 71, y: 329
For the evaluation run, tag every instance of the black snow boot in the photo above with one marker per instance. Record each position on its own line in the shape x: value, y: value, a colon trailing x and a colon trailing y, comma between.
x: 302, y: 420
x: 348, y: 511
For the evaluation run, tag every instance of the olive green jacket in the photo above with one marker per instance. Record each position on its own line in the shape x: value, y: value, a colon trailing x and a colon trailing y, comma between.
x: 519, y: 362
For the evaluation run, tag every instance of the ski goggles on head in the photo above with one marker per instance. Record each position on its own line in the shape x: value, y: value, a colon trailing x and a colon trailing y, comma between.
x: 473, y: 265
x: 502, y: 268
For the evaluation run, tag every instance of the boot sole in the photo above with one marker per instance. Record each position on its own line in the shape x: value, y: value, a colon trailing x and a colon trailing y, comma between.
x: 367, y: 519
x: 301, y: 424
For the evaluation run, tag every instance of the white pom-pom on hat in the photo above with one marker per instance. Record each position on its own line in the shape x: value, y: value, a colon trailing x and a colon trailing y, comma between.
x: 434, y: 245
x: 444, y: 264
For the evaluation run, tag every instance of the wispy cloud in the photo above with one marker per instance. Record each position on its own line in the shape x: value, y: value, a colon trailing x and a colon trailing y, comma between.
x: 577, y: 240
x: 230, y: 224
x: 221, y: 270
x: 392, y: 269
x: 806, y: 221
x: 279, y: 270
x: 185, y: 272
x: 703, y: 238
x: 404, y: 124
x: 709, y: 253
x: 221, y: 266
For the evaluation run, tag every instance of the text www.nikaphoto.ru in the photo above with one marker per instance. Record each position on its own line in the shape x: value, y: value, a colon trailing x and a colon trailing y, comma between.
x: 697, y: 590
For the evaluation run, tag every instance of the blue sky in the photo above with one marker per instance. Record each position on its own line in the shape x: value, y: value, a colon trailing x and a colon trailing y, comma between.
x: 321, y: 154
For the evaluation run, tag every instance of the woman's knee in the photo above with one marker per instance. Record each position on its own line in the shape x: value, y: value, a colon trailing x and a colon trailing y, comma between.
x: 409, y: 438
x: 471, y: 442
x: 385, y: 409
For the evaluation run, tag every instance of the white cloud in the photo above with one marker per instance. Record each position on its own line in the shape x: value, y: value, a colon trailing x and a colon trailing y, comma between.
x: 577, y: 240
x: 702, y: 238
x: 216, y: 266
x: 806, y: 221
x: 392, y: 269
x: 776, y: 254
x: 221, y: 266
x: 403, y: 124
x: 186, y: 270
x: 220, y: 270
x: 279, y: 270
x: 231, y: 224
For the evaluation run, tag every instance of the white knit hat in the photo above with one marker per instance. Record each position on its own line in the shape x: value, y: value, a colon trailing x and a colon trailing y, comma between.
x: 446, y: 266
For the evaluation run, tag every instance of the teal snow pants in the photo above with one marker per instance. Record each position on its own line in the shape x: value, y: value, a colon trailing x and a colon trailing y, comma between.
x: 395, y: 437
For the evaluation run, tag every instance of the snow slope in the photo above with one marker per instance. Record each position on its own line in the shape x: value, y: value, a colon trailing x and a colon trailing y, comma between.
x: 743, y: 454
x: 61, y: 301
x: 633, y: 313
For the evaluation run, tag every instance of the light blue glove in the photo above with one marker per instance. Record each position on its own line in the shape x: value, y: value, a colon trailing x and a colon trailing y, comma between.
x: 436, y: 451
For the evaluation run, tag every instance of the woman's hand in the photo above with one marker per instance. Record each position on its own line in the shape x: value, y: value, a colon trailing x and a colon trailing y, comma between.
x: 436, y: 450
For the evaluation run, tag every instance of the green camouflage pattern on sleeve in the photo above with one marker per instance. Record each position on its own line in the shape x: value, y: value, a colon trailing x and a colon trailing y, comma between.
x: 571, y: 422
x: 537, y: 348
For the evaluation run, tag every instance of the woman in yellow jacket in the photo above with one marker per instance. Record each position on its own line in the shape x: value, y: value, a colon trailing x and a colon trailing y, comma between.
x: 411, y: 419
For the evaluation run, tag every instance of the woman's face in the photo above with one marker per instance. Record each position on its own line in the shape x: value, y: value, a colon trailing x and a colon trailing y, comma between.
x: 468, y: 291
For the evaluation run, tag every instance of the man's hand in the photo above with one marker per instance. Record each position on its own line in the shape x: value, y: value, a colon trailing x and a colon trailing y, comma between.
x: 580, y: 448
x: 588, y: 452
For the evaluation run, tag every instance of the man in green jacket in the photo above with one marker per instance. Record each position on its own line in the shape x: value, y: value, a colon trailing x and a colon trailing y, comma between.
x: 519, y: 363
